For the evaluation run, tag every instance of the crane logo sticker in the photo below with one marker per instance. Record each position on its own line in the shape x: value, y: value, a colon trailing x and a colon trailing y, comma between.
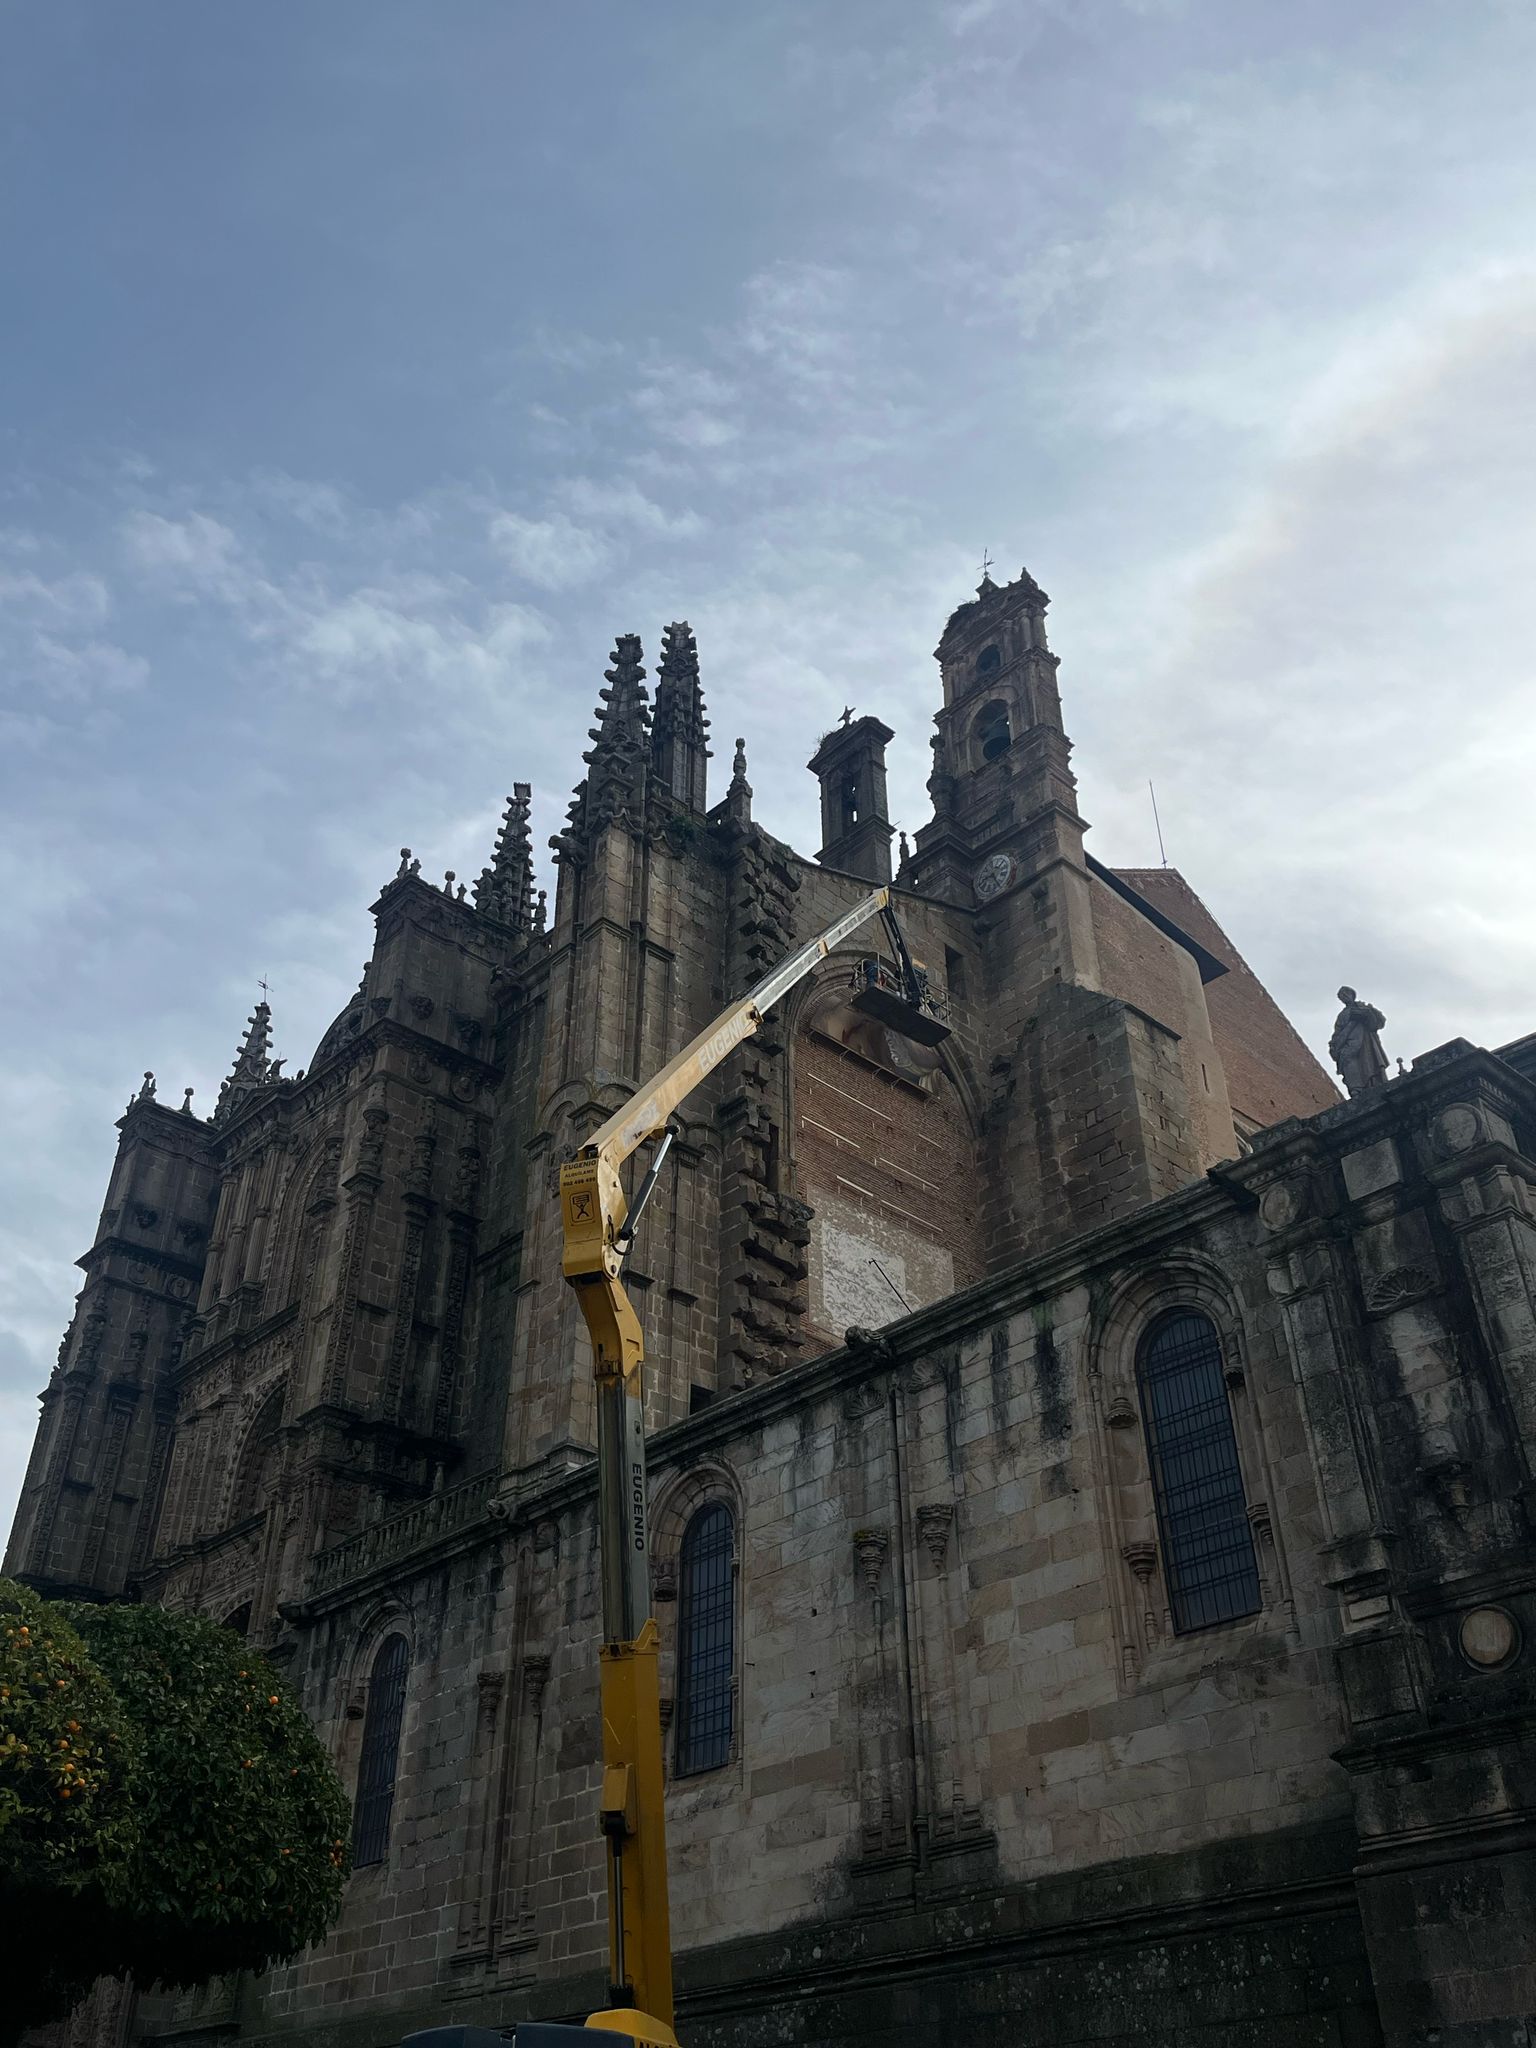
x: 637, y: 1503
x: 581, y: 1206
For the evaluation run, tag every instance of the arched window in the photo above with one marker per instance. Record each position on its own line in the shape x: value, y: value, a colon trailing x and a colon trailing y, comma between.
x: 988, y: 660
x: 992, y: 732
x: 381, y: 1752
x: 706, y: 1646
x: 1209, y: 1565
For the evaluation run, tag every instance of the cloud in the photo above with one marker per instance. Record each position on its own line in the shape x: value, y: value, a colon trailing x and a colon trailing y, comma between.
x: 621, y: 503
x: 74, y: 599
x: 553, y: 553
x: 1349, y: 670
x: 197, y: 551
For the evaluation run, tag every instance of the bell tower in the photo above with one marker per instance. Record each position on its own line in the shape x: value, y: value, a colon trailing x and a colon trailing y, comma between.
x: 855, y: 824
x: 1004, y: 796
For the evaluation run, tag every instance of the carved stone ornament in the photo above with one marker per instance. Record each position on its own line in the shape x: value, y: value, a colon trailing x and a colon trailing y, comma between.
x: 1489, y: 1637
x: 1280, y: 1205
x: 862, y: 1399
x: 1120, y: 1414
x: 1456, y: 1129
x: 1142, y: 1559
x: 1397, y: 1288
x: 870, y: 1546
x: 664, y: 1578
x: 535, y: 1676
x: 933, y: 1523
x: 370, y: 1150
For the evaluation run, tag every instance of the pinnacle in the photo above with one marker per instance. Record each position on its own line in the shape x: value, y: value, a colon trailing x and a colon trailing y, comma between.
x: 505, y: 887
x: 254, y: 1066
x: 679, y: 744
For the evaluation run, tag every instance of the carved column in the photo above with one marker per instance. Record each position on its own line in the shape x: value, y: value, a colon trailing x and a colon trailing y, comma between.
x: 418, y: 1207
x: 461, y: 1242
x: 362, y: 1189
x: 475, y: 1900
x: 516, y: 1932
x: 1308, y: 1274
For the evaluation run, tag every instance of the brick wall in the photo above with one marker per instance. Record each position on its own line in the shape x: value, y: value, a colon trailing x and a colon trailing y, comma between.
x: 890, y: 1168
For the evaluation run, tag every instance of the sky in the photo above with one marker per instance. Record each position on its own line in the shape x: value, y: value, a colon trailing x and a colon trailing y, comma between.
x: 366, y: 369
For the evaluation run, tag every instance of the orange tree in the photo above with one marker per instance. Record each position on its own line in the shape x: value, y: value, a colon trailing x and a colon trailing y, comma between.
x: 239, y: 1853
x: 69, y: 1821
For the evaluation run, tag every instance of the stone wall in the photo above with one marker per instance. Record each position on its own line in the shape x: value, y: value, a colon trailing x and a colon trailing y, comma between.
x: 978, y: 1775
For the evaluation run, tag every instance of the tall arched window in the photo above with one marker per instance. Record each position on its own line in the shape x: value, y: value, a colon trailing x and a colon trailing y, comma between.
x: 381, y: 1752
x: 1209, y: 1566
x: 706, y: 1646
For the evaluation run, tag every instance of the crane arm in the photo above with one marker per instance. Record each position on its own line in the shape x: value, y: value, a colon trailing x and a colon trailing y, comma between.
x: 594, y: 1213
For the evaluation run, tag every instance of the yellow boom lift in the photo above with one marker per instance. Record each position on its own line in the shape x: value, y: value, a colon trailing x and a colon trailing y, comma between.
x: 599, y: 1225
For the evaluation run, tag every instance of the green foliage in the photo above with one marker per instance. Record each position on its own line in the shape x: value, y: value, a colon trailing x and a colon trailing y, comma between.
x: 165, y: 1807
x: 243, y: 1857
x: 67, y: 1753
x: 69, y: 1820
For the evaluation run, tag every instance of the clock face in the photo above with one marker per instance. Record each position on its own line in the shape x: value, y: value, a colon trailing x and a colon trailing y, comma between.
x: 993, y: 876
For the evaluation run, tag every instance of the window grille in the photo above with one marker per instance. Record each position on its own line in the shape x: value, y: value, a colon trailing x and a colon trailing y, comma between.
x: 706, y: 1649
x: 381, y: 1752
x: 1209, y: 1564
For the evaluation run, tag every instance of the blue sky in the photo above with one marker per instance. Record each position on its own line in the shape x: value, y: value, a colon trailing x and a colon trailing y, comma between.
x: 366, y: 368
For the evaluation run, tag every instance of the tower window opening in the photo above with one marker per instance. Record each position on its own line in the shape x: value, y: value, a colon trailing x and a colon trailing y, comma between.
x: 994, y: 734
x: 988, y: 661
x: 848, y: 796
x: 954, y: 972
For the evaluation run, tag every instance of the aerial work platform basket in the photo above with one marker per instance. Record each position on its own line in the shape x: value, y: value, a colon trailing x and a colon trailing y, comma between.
x: 902, y: 1001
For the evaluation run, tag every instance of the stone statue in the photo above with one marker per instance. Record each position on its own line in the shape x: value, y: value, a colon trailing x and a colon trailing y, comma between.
x: 1355, y: 1047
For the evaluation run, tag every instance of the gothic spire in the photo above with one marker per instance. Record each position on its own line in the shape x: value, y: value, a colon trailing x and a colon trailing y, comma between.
x: 253, y: 1063
x: 679, y: 747
x: 505, y: 887
x: 614, y: 786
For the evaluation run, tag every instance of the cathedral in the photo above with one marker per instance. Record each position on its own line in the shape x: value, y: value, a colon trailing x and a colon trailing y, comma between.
x: 1091, y: 1459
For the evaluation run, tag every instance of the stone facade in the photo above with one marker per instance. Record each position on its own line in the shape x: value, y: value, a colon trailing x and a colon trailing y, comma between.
x: 983, y: 1764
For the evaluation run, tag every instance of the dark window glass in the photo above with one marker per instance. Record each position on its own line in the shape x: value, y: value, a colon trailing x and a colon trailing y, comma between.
x: 706, y: 1649
x: 381, y: 1752
x: 1208, y: 1558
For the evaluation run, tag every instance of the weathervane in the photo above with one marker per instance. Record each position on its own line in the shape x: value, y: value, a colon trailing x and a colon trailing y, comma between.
x: 847, y: 714
x: 986, y: 564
